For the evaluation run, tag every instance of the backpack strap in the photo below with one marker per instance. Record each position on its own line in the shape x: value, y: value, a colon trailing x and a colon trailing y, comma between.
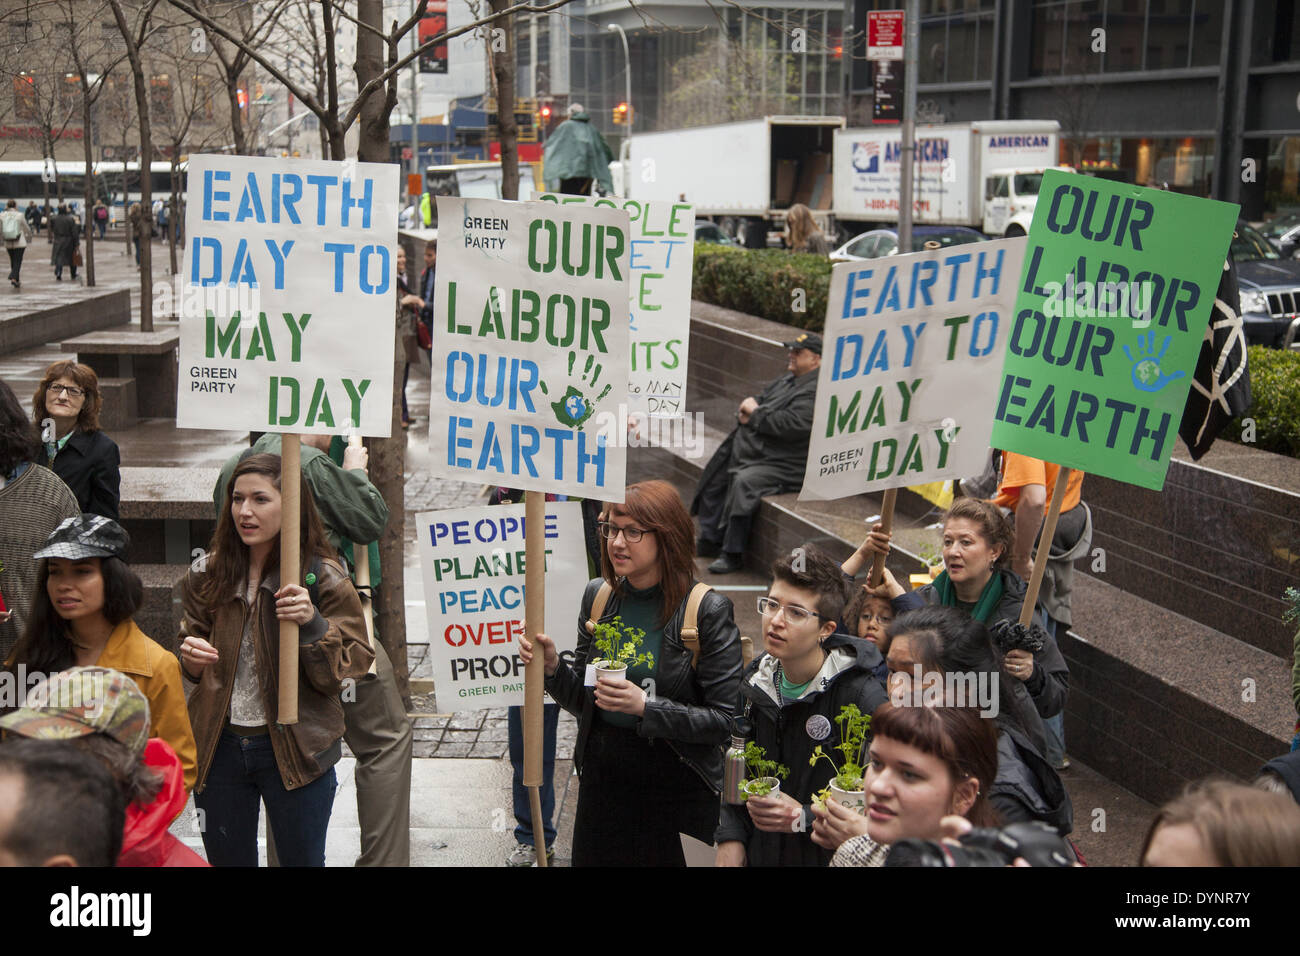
x: 598, y: 605
x: 690, y: 632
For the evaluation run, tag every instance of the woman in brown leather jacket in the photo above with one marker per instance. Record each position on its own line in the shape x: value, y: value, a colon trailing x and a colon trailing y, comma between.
x: 230, y: 651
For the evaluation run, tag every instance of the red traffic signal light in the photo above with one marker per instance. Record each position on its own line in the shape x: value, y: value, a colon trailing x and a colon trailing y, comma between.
x: 546, y: 112
x: 620, y: 114
x: 241, y: 97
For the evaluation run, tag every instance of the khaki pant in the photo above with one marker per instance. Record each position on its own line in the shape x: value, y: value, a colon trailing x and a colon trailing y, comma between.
x: 379, y: 733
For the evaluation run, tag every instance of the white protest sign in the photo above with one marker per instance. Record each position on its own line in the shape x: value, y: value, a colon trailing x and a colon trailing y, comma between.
x: 472, y: 561
x: 530, y: 346
x: 287, y: 321
x: 910, y: 368
x: 659, y: 299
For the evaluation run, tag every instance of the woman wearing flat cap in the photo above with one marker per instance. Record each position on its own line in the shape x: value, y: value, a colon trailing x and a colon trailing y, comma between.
x: 82, y: 616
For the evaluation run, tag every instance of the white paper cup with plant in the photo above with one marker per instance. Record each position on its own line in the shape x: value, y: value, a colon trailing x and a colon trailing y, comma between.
x: 846, y: 786
x: 765, y: 775
x: 619, y: 646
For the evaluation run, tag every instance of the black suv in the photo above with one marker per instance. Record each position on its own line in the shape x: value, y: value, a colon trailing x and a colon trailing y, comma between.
x: 1270, y: 290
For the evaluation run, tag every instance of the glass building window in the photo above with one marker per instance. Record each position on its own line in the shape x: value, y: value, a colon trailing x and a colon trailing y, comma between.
x: 956, y: 41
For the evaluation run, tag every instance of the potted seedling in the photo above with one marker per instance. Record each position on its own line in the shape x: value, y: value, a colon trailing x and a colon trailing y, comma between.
x: 765, y: 775
x: 846, y: 785
x: 618, y: 645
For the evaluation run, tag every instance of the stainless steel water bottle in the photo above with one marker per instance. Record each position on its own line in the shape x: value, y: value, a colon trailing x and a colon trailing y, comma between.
x: 733, y: 773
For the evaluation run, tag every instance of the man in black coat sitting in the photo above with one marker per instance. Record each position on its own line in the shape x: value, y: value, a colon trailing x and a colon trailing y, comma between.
x: 765, y: 454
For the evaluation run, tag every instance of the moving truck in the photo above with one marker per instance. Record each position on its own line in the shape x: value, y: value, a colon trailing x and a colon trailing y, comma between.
x: 984, y: 175
x: 742, y: 176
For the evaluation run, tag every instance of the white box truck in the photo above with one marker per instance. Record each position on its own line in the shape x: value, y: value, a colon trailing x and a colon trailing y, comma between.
x: 984, y: 175
x: 741, y: 175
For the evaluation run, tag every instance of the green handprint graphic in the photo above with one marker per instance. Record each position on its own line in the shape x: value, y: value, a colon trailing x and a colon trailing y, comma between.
x: 573, y: 408
x: 1146, y: 373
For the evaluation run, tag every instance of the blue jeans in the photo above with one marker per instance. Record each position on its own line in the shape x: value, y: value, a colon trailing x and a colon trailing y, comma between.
x: 523, y: 811
x: 243, y: 773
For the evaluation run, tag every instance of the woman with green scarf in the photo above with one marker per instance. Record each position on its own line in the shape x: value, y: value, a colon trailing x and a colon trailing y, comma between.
x: 977, y: 579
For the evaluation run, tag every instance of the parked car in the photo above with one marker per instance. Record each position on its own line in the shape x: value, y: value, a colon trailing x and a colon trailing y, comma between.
x: 709, y: 232
x: 1270, y: 290
x: 1284, y: 234
x: 884, y: 242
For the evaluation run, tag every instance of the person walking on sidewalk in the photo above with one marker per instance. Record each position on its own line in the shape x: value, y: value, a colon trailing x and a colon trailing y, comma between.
x: 17, y: 232
x: 67, y: 243
x: 33, y: 216
x: 101, y: 217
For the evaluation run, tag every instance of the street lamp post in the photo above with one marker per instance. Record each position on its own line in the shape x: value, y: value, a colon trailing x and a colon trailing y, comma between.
x: 627, y: 58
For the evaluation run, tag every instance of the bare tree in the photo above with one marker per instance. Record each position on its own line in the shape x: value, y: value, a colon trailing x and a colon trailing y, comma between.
x: 726, y: 81
x: 134, y: 33
x: 39, y: 66
x: 1076, y: 101
x: 93, y: 62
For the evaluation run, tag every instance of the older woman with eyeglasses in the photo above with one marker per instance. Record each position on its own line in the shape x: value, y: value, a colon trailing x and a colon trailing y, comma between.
x: 66, y: 408
x: 649, y: 746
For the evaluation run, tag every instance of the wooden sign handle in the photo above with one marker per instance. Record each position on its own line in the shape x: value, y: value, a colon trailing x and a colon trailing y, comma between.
x: 887, y: 524
x: 290, y: 571
x: 1044, y: 549
x: 535, y: 672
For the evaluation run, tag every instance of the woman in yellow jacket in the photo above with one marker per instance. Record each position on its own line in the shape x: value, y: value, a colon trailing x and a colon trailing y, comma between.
x: 85, y: 620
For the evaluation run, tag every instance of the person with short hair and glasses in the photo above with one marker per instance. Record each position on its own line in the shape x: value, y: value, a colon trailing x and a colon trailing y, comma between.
x: 649, y: 746
x: 790, y: 698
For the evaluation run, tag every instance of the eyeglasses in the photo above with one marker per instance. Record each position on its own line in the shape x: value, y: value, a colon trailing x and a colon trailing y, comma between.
x: 72, y: 390
x: 630, y: 535
x: 793, y: 613
x: 872, y: 616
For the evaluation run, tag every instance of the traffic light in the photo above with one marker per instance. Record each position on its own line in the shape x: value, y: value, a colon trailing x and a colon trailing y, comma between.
x: 545, y: 112
x: 241, y: 97
x: 622, y: 113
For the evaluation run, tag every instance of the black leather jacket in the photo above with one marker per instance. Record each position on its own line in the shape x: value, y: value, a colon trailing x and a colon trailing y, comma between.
x: 691, y: 708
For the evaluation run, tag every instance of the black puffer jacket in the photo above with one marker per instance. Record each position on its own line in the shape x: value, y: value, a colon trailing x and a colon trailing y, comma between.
x: 691, y: 708
x: 783, y: 732
x: 1026, y: 787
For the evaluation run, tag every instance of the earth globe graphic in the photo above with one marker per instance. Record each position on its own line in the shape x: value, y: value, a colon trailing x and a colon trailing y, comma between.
x: 575, y: 406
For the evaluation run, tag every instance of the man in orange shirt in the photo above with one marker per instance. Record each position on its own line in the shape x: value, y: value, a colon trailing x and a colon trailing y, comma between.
x: 1024, y: 490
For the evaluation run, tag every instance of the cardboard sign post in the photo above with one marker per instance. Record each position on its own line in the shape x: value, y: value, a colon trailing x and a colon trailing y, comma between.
x: 1113, y: 302
x: 286, y: 262
x: 530, y: 346
x: 661, y: 266
x: 908, y: 373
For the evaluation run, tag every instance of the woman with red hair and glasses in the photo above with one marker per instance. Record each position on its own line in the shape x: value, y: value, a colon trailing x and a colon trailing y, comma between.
x: 649, y: 747
x: 66, y: 408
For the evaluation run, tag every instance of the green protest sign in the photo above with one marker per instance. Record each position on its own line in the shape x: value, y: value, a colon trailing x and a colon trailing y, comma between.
x: 1116, y: 290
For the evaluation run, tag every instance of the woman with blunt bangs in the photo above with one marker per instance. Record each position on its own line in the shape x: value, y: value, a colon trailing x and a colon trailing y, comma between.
x: 78, y: 452
x: 925, y: 764
x: 230, y: 653
x: 649, y: 747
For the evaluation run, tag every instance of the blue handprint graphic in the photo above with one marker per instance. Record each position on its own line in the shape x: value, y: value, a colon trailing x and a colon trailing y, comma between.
x: 1146, y: 373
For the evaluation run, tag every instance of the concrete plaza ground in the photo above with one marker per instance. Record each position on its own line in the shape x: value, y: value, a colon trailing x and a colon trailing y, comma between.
x: 461, y: 796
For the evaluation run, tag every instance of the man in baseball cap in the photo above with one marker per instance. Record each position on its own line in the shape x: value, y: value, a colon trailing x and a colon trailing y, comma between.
x: 806, y: 340
x: 764, y: 455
